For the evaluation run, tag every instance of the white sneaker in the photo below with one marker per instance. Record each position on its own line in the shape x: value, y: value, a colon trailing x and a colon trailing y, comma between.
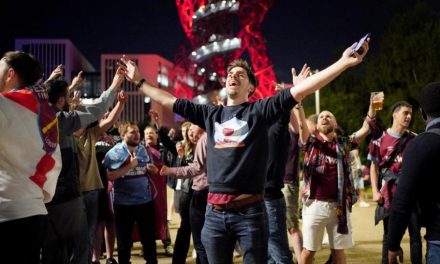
x: 364, y: 204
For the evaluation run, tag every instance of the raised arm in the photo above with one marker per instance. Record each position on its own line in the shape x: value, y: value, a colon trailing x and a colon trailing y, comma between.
x: 117, y: 79
x: 76, y: 101
x: 76, y: 82
x: 294, y: 123
x: 322, y: 78
x: 108, y: 122
x: 93, y: 112
x: 133, y: 75
x: 298, y: 121
x: 366, y: 129
x: 58, y: 71
x: 303, y: 130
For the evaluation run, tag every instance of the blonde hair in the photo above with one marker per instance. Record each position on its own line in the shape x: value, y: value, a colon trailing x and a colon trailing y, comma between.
x: 188, y: 145
x: 185, y: 125
x: 123, y: 127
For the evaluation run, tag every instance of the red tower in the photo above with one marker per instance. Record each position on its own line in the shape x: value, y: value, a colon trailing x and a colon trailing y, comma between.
x: 220, y: 31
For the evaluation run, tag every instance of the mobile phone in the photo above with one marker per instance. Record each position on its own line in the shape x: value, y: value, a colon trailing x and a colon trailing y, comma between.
x: 358, y: 48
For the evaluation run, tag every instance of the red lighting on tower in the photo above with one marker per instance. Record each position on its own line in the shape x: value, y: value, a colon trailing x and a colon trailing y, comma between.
x: 220, y: 31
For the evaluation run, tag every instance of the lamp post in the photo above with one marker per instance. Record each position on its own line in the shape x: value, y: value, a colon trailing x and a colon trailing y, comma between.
x: 317, y: 98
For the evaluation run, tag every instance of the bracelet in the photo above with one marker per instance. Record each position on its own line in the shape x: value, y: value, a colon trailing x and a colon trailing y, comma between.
x: 371, y: 117
x: 139, y: 84
x: 298, y: 106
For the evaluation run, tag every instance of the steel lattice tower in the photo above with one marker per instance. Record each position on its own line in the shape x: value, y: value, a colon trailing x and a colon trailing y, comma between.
x: 209, y: 26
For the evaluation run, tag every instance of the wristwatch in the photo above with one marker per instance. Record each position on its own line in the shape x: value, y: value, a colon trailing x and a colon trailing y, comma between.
x: 139, y: 84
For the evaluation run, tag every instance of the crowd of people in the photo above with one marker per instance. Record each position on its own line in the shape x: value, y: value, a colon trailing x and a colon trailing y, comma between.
x: 72, y: 176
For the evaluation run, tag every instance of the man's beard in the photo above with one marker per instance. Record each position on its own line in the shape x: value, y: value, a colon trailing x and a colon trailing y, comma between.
x: 66, y: 107
x: 326, y: 130
x: 132, y: 143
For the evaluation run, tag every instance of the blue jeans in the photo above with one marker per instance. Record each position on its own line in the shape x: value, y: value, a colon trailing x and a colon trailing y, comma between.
x: 278, y: 242
x: 223, y: 228
x: 197, y: 213
x: 433, y: 252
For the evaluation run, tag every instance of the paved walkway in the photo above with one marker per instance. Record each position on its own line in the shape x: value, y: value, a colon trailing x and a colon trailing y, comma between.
x: 367, y: 237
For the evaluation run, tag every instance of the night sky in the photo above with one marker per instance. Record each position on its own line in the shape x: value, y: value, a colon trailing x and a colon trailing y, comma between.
x: 296, y: 32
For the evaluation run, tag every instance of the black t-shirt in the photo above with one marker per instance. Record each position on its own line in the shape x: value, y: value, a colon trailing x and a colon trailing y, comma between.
x: 237, y: 140
x: 278, y: 138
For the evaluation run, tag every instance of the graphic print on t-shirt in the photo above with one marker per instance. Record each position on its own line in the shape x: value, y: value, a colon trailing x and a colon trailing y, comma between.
x: 231, y: 133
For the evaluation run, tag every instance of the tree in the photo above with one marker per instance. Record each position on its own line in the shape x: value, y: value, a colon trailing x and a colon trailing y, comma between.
x: 408, y: 59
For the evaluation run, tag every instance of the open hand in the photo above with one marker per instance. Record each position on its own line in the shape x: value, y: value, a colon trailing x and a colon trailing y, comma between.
x: 305, y: 72
x: 130, y: 69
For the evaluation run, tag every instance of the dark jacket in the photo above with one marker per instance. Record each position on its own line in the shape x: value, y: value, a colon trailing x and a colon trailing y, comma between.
x: 418, y: 185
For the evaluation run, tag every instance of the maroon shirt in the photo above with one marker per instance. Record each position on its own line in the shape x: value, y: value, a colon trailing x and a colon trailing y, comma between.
x: 382, y: 148
x: 325, y: 182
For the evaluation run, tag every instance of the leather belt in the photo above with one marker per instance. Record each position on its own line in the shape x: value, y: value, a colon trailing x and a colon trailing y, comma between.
x: 236, y: 204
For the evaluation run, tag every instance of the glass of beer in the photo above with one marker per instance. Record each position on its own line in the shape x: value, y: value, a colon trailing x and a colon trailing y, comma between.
x: 377, y: 100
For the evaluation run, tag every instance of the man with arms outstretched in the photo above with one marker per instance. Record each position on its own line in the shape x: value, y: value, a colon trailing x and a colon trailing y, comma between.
x: 237, y: 152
